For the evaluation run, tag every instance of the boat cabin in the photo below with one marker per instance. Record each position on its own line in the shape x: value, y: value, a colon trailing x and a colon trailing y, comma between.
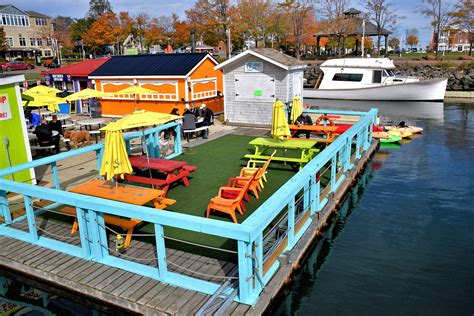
x: 354, y: 73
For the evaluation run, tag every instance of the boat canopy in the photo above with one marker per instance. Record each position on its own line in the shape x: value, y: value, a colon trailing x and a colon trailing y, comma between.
x: 377, y: 63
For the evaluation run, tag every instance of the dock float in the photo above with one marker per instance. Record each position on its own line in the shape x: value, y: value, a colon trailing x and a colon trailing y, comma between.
x: 271, y: 242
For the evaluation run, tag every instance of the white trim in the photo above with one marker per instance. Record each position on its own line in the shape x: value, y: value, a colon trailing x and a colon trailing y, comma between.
x: 160, y: 96
x: 136, y: 77
x: 251, y: 52
x: 186, y: 92
x: 224, y: 92
x: 115, y: 83
x: 23, y: 129
x: 199, y: 64
x: 12, y: 79
x: 203, y: 94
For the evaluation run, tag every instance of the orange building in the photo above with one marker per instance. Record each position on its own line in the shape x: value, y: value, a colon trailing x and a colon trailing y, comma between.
x: 177, y: 79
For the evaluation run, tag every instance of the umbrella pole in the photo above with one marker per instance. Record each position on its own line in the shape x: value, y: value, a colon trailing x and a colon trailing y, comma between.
x: 147, y: 157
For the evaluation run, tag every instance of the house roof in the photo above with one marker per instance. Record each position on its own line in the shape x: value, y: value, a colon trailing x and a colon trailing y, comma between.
x: 82, y: 69
x: 180, y: 64
x: 268, y: 54
x: 370, y: 29
x: 36, y: 14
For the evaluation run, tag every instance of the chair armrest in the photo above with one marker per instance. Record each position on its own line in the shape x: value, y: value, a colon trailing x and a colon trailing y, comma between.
x: 231, y: 190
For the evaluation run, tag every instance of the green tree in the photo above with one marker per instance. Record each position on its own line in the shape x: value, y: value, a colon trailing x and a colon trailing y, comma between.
x: 438, y: 12
x: 98, y: 7
x: 462, y: 17
x: 383, y: 15
x: 3, y: 42
x: 79, y: 27
x: 394, y: 43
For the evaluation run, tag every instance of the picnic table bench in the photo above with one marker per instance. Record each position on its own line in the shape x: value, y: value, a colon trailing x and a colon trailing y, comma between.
x: 327, y: 132
x: 304, y: 147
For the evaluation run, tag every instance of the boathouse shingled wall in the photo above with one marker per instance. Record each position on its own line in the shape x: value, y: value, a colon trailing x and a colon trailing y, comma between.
x: 256, y: 112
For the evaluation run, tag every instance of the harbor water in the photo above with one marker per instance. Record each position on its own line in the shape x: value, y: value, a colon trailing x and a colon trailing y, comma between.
x: 403, y: 243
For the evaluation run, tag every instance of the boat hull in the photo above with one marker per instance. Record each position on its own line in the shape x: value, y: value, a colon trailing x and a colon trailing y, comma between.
x: 427, y: 90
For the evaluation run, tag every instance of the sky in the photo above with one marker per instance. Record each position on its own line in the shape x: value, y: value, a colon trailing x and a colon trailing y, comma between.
x: 78, y: 8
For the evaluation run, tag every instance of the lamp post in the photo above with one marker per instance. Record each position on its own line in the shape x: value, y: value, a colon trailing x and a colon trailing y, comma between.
x: 363, y: 38
x: 438, y: 28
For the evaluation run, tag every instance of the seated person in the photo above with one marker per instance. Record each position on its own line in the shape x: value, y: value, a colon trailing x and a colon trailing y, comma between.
x: 170, y: 131
x: 56, y: 125
x: 45, y: 136
x: 303, y: 119
x: 208, y: 117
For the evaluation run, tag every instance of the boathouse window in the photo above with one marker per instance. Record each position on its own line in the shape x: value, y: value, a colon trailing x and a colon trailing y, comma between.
x: 347, y: 77
x: 377, y: 77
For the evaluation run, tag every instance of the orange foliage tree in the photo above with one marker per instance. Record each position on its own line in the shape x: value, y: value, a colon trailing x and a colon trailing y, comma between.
x: 104, y: 31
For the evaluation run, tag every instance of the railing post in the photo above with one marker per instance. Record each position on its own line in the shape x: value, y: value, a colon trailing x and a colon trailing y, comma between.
x: 177, y: 140
x: 30, y: 215
x: 258, y: 249
x: 291, y: 222
x: 98, y: 156
x: 4, y: 207
x: 314, y: 194
x: 161, y: 252
x: 333, y: 173
x: 97, y: 232
x: 358, y: 143
x: 86, y: 238
x: 56, y: 182
x: 246, y: 294
x: 348, y: 146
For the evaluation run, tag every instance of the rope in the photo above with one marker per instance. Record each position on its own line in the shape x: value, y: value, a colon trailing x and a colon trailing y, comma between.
x: 125, y: 256
x: 199, y: 245
x: 54, y: 235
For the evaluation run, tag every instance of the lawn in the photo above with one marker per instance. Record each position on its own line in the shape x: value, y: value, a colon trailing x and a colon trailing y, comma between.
x: 446, y: 56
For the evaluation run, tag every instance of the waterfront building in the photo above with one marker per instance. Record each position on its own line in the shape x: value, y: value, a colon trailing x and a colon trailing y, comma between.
x: 177, y: 79
x: 452, y: 40
x: 27, y: 33
x: 252, y: 81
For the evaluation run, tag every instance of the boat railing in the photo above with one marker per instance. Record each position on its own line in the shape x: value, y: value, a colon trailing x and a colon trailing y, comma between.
x: 266, y: 236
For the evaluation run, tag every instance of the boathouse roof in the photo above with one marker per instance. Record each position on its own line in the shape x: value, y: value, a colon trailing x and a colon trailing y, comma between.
x: 180, y: 64
x: 268, y: 54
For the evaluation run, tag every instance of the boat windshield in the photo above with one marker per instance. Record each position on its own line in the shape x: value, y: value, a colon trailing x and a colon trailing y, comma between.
x: 389, y: 73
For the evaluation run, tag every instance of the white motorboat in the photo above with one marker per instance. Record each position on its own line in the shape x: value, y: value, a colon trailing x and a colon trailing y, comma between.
x: 371, y: 79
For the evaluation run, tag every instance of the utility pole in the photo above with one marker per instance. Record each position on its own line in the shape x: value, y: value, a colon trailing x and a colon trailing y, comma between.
x: 438, y: 26
x: 229, y: 43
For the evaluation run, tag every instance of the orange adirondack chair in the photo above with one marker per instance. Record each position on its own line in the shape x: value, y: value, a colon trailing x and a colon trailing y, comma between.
x: 248, y: 171
x: 229, y: 205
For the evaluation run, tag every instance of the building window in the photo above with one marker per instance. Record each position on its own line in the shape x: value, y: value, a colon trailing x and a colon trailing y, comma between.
x: 347, y: 77
x: 39, y: 41
x: 41, y: 21
x: 32, y: 41
x: 48, y: 42
x: 13, y: 20
x: 47, y: 53
x: 9, y: 41
x: 22, y: 41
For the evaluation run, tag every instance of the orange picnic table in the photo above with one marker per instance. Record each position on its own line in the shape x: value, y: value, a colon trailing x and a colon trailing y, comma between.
x: 121, y: 193
x: 326, y: 131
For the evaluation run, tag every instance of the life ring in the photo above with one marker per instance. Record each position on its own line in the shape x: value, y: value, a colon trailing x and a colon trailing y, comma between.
x: 325, y: 117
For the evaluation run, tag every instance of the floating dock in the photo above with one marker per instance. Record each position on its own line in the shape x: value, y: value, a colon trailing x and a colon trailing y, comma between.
x: 153, y: 278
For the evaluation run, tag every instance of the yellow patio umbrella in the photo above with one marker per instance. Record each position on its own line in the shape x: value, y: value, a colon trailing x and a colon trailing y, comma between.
x: 87, y: 94
x: 135, y: 90
x: 280, y: 127
x: 115, y: 159
x: 143, y: 118
x: 296, y: 109
x: 41, y: 90
x: 45, y: 100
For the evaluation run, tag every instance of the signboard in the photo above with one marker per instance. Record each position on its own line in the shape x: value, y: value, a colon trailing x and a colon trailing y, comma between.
x: 5, y: 111
x: 255, y: 66
x: 59, y: 78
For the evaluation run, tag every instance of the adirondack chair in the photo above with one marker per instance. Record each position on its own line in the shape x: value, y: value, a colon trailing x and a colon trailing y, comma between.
x: 248, y: 171
x: 254, y: 187
x: 233, y: 202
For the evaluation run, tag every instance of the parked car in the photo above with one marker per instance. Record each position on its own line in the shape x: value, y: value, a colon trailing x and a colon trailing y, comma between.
x: 16, y: 65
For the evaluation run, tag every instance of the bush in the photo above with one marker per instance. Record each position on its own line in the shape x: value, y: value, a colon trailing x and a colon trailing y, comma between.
x: 444, y: 64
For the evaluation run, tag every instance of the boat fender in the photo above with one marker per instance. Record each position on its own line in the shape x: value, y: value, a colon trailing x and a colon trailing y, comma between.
x: 119, y: 244
x: 326, y: 118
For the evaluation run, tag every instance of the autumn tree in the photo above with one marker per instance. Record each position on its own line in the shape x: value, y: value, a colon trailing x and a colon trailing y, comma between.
x: 438, y: 11
x: 298, y: 11
x: 79, y: 27
x: 412, y: 37
x: 98, y: 8
x: 256, y: 19
x: 3, y: 42
x: 181, y: 31
x: 394, y: 43
x: 62, y: 31
x: 154, y: 33
x: 383, y: 15
x: 462, y: 17
x: 104, y: 31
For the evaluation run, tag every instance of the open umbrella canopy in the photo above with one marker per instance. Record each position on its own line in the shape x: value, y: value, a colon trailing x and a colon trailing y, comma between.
x: 142, y: 118
x: 280, y: 127
x: 41, y: 90
x: 45, y: 100
x: 135, y: 90
x: 115, y: 160
x: 296, y: 109
x: 86, y: 94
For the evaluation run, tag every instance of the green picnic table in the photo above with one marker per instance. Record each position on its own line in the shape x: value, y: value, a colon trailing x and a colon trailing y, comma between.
x: 304, y: 149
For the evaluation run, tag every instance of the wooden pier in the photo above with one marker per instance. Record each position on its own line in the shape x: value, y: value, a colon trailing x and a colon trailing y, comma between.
x: 144, y: 295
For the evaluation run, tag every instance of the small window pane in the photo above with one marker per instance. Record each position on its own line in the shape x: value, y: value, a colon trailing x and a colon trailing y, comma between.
x: 377, y: 77
x: 347, y: 77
